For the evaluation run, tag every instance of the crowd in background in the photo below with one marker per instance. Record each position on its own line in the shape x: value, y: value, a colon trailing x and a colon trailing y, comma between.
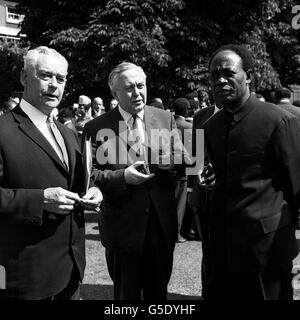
x: 242, y: 202
x: 183, y: 109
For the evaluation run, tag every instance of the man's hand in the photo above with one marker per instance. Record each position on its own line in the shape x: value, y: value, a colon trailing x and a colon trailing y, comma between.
x: 59, y: 200
x: 134, y: 177
x: 92, y: 199
x: 207, y: 177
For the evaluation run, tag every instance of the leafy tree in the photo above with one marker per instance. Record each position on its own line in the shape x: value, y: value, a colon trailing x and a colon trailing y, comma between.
x: 171, y: 39
x: 10, y: 66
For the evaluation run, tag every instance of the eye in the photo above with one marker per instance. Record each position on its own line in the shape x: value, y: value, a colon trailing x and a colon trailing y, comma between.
x: 229, y: 73
x: 45, y: 76
x: 141, y: 85
x: 61, y: 79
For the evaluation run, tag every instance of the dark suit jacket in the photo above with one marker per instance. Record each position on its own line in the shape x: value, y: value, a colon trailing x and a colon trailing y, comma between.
x: 185, y: 129
x: 290, y: 108
x: 199, y: 195
x: 123, y: 222
x: 37, y: 248
x: 254, y: 205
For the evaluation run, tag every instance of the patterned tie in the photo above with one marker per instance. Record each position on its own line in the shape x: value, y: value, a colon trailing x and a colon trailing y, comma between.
x: 60, y: 141
x: 134, y: 136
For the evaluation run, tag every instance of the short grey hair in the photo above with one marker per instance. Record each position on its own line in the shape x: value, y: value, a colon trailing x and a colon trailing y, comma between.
x: 114, y: 75
x: 32, y: 56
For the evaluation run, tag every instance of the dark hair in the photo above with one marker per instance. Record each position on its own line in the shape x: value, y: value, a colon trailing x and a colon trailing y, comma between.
x: 65, y: 113
x: 191, y: 95
x: 282, y: 93
x: 244, y: 53
x: 180, y: 106
x: 157, y: 104
x: 296, y: 103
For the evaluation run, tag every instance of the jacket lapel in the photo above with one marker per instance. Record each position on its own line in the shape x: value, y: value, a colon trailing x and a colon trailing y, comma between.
x: 71, y: 147
x: 26, y: 125
x: 150, y: 124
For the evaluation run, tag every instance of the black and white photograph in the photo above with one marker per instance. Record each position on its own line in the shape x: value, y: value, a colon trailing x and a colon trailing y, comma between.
x: 150, y: 153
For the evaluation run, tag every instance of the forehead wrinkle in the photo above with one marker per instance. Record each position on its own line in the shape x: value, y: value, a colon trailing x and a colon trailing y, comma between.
x: 227, y: 57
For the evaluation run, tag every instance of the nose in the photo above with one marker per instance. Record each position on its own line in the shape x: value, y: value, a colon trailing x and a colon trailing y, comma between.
x: 221, y: 79
x: 53, y: 81
x: 136, y: 91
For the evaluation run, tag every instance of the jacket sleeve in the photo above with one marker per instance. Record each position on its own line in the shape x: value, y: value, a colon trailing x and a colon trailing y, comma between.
x: 287, y: 151
x: 108, y: 181
x: 20, y: 206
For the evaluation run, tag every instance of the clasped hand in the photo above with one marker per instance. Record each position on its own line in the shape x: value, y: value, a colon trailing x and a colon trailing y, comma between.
x: 61, y: 201
x: 207, y: 177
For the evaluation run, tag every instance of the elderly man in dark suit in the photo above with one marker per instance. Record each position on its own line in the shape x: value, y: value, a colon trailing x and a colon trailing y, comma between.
x: 255, y: 152
x: 41, y: 183
x: 138, y: 225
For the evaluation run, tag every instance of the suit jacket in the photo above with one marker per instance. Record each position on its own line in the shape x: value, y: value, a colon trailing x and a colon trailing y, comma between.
x: 199, y: 195
x: 37, y: 248
x: 290, y: 108
x: 185, y: 129
x: 126, y: 208
x: 253, y: 209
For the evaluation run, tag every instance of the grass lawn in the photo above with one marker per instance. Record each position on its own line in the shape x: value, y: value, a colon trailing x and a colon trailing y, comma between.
x: 185, y: 282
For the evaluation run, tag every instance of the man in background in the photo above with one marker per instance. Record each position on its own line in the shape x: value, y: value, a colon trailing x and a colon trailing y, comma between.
x: 97, y: 107
x: 83, y: 114
x: 283, y: 100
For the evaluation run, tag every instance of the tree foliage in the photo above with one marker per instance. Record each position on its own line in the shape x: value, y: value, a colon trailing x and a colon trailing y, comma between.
x: 10, y: 66
x: 171, y: 39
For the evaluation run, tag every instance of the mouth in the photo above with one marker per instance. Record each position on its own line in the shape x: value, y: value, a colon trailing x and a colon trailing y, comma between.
x: 224, y: 91
x: 138, y: 101
x: 51, y: 96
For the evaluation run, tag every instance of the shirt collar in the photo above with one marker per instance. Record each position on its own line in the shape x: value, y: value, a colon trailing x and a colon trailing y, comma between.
x: 285, y: 101
x: 240, y: 112
x: 34, y: 114
x: 127, y: 116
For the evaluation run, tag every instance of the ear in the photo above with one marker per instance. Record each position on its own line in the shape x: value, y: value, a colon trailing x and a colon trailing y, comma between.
x: 249, y: 76
x: 23, y: 77
x: 114, y: 94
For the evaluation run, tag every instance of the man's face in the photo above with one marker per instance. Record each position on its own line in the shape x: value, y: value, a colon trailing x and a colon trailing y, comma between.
x: 131, y: 90
x: 44, y: 84
x: 97, y: 105
x: 81, y: 110
x: 229, y: 81
x: 113, y: 103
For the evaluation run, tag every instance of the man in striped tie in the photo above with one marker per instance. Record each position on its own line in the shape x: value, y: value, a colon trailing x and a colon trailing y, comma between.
x: 138, y: 226
x: 42, y: 196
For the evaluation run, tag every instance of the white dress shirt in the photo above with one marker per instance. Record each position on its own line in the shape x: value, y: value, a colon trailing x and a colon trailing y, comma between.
x: 39, y: 119
x: 139, y: 120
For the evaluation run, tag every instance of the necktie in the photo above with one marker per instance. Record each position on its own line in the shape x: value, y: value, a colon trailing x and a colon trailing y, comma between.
x: 60, y: 142
x: 135, y: 136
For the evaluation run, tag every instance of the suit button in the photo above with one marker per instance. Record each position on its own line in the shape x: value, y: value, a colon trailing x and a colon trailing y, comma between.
x: 147, y: 210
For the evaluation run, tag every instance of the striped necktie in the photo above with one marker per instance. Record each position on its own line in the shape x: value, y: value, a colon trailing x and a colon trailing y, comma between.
x: 135, y: 136
x: 60, y: 142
